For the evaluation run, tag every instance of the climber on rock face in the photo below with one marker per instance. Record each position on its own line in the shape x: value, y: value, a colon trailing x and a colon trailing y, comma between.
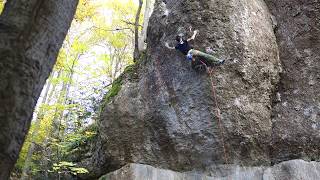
x: 190, y: 53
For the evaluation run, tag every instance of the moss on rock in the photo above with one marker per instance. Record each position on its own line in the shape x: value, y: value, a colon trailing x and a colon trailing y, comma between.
x: 115, y: 88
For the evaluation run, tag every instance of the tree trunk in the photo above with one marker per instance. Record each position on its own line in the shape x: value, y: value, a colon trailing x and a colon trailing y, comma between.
x: 31, y: 34
x: 143, y: 36
x: 53, y: 89
x: 136, y: 53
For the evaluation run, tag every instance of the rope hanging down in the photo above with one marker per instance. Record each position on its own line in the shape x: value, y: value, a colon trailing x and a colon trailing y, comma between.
x: 217, y: 110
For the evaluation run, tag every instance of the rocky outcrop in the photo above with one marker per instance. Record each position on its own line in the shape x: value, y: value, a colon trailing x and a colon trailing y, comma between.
x: 167, y: 117
x: 267, y: 91
x: 293, y: 170
x: 296, y: 113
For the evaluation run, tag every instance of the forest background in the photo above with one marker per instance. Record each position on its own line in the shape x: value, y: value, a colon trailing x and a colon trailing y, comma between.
x: 104, y: 39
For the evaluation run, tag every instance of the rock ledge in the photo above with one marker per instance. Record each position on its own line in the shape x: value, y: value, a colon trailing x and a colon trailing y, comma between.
x: 293, y: 170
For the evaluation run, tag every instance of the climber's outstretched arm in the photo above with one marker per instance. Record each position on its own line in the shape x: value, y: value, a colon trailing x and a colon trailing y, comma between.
x: 193, y: 36
x: 169, y: 47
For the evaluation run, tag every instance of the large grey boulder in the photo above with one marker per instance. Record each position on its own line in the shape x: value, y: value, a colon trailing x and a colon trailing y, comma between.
x: 167, y: 117
x: 267, y: 91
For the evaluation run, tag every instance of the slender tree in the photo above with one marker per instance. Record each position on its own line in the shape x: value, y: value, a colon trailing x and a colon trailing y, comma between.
x: 31, y: 34
x: 136, y: 53
x: 143, y: 35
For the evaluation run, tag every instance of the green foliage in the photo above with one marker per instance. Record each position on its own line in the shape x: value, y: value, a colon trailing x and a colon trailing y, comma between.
x: 115, y: 88
x: 1, y: 5
x: 131, y: 72
x: 75, y: 140
x: 45, y: 124
x: 129, y: 69
x: 72, y: 147
x: 68, y: 167
x: 86, y: 9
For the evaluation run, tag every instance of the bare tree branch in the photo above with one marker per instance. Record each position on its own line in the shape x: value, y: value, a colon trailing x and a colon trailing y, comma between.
x: 131, y: 23
x: 116, y: 29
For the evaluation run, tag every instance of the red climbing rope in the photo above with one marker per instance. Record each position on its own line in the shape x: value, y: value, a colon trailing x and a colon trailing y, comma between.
x: 217, y: 109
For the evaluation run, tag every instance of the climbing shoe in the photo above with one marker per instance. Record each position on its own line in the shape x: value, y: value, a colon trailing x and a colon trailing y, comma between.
x: 220, y: 62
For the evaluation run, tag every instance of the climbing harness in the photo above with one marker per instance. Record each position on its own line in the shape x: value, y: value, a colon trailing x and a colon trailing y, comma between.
x: 198, y: 65
x: 217, y: 110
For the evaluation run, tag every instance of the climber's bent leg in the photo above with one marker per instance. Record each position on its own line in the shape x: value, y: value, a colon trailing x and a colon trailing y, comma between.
x: 208, y: 57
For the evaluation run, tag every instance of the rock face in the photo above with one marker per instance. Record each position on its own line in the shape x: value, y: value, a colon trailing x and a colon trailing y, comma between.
x: 296, y: 118
x: 166, y: 116
x: 293, y: 170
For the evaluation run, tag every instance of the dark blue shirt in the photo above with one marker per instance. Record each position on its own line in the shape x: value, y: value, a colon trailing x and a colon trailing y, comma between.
x: 184, y: 47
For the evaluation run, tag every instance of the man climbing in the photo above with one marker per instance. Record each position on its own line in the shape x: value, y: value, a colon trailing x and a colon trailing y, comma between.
x: 190, y: 53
